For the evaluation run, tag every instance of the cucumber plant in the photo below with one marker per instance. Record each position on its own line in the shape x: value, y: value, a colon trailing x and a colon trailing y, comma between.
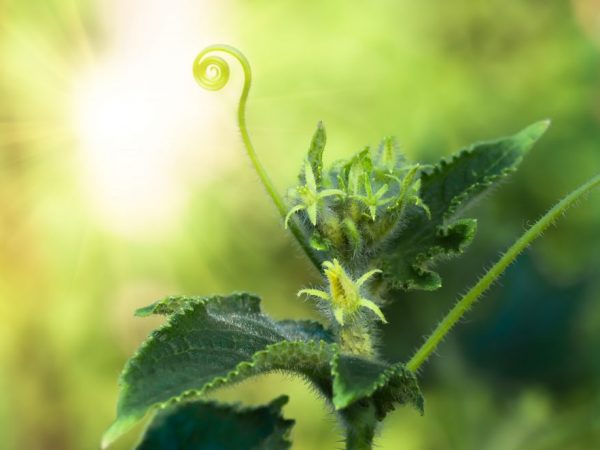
x: 374, y: 225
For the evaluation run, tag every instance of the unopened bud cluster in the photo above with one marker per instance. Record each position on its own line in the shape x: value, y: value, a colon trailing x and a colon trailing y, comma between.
x: 350, y: 209
x: 347, y: 212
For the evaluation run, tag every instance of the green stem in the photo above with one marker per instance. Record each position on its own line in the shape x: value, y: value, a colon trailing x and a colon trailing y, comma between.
x: 360, y: 423
x: 464, y: 304
x: 213, y: 73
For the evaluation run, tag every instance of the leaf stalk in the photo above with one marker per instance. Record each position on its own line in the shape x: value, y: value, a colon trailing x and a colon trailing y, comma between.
x: 465, y: 303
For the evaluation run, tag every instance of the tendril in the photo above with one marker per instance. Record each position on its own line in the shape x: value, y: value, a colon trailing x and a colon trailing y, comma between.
x: 212, y: 73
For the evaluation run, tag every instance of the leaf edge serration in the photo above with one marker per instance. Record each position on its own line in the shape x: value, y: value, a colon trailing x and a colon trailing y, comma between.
x: 343, y: 397
x: 445, y: 212
x: 533, y: 133
x: 241, y: 371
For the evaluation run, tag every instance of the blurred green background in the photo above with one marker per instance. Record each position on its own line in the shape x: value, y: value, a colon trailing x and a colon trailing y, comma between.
x: 122, y: 181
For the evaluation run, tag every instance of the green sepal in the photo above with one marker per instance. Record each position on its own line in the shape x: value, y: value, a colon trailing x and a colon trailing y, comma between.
x: 388, y: 158
x: 448, y: 189
x: 211, y: 425
x: 210, y: 343
x: 355, y: 171
x: 315, y: 154
x: 356, y: 378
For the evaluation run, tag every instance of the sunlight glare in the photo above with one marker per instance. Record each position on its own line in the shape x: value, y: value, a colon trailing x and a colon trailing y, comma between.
x: 139, y: 118
x: 125, y: 136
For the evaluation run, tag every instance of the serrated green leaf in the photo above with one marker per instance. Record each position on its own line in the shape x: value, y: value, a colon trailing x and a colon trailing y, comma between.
x: 401, y: 388
x: 355, y: 378
x: 447, y: 190
x: 411, y: 268
x: 453, y: 185
x: 210, y: 425
x: 168, y: 305
x: 207, y: 344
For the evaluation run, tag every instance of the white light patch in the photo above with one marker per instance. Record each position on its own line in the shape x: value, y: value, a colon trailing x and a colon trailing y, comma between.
x: 128, y: 165
x: 143, y: 122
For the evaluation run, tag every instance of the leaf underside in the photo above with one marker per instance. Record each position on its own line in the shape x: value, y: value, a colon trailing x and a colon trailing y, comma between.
x: 448, y: 190
x: 208, y: 425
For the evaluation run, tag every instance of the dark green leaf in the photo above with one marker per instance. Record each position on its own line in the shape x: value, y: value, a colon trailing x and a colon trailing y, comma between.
x: 209, y: 343
x: 169, y: 305
x: 410, y: 268
x: 452, y: 185
x: 448, y: 189
x: 209, y: 425
x: 355, y: 378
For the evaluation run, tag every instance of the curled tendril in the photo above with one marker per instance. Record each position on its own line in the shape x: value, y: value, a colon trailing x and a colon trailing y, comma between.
x: 212, y: 73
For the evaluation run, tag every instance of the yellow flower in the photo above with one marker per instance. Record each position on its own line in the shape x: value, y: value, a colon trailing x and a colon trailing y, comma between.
x: 344, y: 293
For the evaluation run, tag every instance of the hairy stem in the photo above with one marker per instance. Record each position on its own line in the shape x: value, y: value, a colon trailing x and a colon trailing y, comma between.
x: 465, y: 303
x: 212, y: 73
x: 360, y: 423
